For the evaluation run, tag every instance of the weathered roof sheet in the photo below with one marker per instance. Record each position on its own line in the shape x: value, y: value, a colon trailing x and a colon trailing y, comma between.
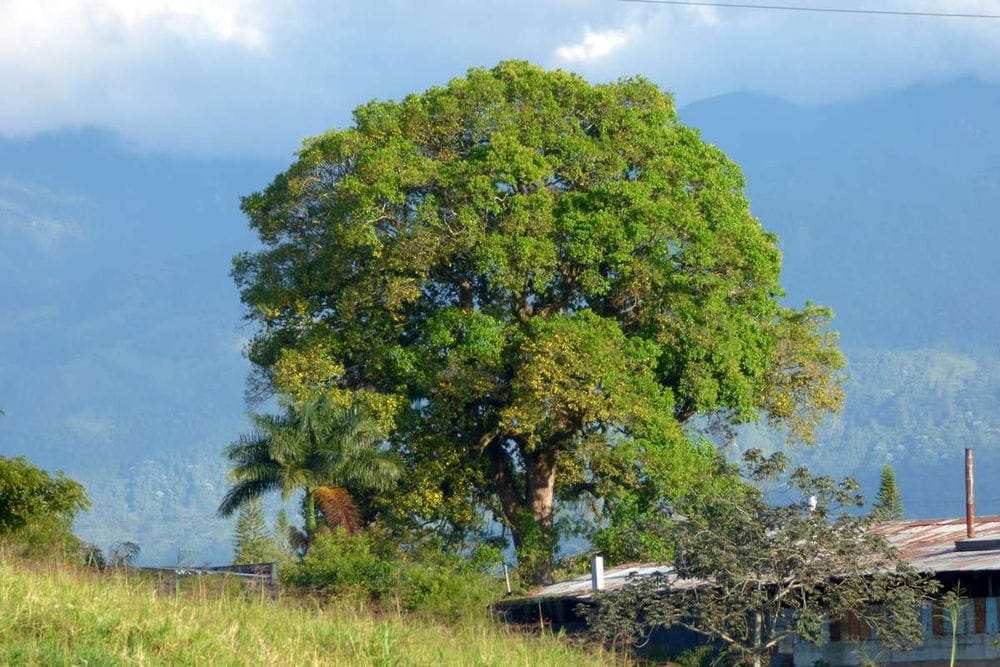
x: 614, y: 577
x: 929, y: 544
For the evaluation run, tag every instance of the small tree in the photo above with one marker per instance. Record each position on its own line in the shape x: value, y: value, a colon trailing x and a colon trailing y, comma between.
x: 124, y: 553
x: 952, y: 606
x: 317, y: 447
x: 749, y: 574
x: 252, y: 542
x: 37, y: 509
x: 889, y: 504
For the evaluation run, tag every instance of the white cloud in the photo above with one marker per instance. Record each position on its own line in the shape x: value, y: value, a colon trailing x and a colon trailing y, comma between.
x: 46, y: 233
x: 95, y: 62
x: 595, y: 45
x: 254, y: 77
x: 59, y: 28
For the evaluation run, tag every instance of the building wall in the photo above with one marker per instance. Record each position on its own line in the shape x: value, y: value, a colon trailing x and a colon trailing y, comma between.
x: 977, y: 632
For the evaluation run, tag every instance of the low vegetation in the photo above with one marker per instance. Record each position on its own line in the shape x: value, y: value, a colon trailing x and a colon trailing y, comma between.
x: 55, y: 615
x: 365, y: 569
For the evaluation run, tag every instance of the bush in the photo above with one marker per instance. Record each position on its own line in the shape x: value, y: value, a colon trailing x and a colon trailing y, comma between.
x: 363, y: 567
x: 37, y: 510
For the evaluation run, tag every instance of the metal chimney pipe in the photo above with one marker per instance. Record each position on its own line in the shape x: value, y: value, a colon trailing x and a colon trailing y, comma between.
x: 597, y: 573
x: 970, y: 497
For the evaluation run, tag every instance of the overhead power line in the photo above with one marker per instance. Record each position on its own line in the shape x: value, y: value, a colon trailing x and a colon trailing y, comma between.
x: 828, y: 10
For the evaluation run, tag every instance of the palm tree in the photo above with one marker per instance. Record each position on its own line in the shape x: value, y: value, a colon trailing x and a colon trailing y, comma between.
x: 315, y: 447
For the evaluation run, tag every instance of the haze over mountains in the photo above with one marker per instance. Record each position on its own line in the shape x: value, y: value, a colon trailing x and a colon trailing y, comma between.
x: 120, y: 344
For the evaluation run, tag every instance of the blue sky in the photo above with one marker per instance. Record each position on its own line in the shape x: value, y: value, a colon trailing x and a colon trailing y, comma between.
x: 252, y: 77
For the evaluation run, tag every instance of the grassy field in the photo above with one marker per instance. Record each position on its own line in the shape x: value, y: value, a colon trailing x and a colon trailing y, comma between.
x: 54, y: 615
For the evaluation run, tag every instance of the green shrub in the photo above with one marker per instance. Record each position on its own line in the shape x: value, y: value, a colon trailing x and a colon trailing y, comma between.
x: 37, y: 510
x: 363, y: 567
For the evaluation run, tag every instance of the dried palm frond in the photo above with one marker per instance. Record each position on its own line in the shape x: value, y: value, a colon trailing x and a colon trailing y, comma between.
x: 338, y: 508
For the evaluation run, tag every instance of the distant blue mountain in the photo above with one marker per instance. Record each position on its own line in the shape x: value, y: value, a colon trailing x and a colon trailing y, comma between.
x: 120, y: 349
x: 886, y: 207
x: 888, y: 210
x: 120, y: 344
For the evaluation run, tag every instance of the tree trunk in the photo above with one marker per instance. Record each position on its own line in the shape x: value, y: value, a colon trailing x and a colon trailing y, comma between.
x: 527, y: 505
x: 540, y: 471
x: 758, y: 639
x: 309, y: 510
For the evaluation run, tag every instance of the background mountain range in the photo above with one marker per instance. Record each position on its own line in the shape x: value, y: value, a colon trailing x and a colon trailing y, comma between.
x: 121, y: 335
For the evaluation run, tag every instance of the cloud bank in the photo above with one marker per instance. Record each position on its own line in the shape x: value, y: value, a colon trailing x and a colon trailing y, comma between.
x: 250, y: 77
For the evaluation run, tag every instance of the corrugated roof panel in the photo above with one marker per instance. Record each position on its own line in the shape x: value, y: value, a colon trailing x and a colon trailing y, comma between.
x: 929, y: 544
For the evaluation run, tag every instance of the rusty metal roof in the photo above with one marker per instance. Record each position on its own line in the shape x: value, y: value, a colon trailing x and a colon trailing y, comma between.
x: 929, y: 544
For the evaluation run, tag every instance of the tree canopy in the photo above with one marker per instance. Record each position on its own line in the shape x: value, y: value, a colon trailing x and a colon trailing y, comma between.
x: 537, y: 283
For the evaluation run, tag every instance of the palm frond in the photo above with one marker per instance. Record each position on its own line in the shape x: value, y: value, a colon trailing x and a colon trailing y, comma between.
x: 338, y: 508
x: 248, y: 446
x: 294, y: 478
x: 354, y: 455
x: 288, y: 444
x: 243, y: 492
x: 375, y: 470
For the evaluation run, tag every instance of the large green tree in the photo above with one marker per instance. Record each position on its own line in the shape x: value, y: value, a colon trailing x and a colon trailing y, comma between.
x: 541, y: 282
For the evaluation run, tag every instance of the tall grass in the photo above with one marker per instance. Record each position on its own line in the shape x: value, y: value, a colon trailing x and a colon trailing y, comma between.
x: 60, y: 615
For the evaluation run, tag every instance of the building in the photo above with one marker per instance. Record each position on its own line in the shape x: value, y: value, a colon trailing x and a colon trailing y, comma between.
x: 939, y: 547
x: 942, y: 548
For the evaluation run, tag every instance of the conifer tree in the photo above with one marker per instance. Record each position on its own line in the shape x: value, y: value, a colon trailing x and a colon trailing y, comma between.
x: 889, y: 505
x: 252, y: 542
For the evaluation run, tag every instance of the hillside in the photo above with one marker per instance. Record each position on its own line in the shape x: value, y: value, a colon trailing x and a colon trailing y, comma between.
x: 886, y: 211
x: 120, y: 345
x: 63, y: 616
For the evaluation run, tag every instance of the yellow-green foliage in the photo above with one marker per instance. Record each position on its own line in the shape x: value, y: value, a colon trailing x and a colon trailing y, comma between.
x: 441, y: 586
x: 62, y: 616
